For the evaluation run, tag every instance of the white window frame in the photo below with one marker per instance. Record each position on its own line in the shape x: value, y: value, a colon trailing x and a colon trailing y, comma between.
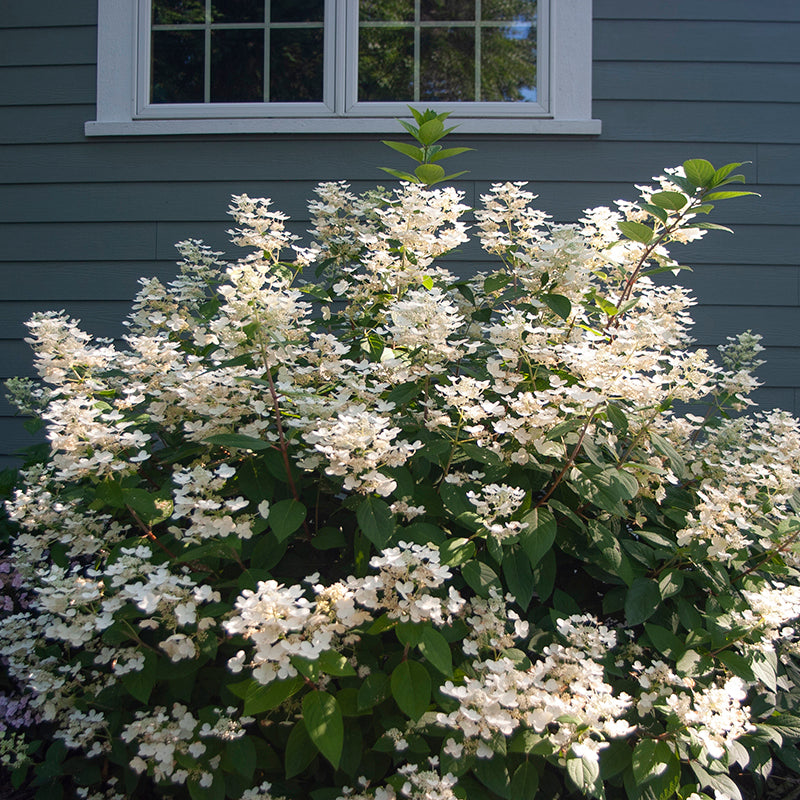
x: 123, y: 49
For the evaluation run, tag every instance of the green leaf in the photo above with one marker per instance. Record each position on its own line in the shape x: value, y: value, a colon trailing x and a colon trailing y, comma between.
x: 728, y: 195
x: 518, y: 573
x: 430, y: 132
x: 584, y: 774
x: 699, y: 172
x: 449, y: 152
x: 409, y: 633
x: 482, y: 456
x: 670, y: 584
x: 238, y: 441
x: 376, y: 521
x: 406, y: 149
x: 656, y: 767
x: 665, y: 641
x: 672, y: 201
x: 538, y: 537
x: 641, y: 601
x: 374, y: 690
x: 493, y: 774
x: 411, y: 688
x: 525, y: 782
x: 333, y: 663
x: 285, y: 517
x: 558, y: 304
x: 323, y: 721
x: 495, y: 282
x: 480, y: 577
x: 300, y: 750
x: 403, y: 176
x: 456, y: 551
x: 636, y: 231
x: 139, y: 684
x: 150, y: 508
x: 429, y: 173
x: 765, y: 668
x: 241, y: 753
x: 436, y: 650
x: 260, y: 698
x: 737, y: 664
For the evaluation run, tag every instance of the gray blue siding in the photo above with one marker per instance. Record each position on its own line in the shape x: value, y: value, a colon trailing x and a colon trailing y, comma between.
x: 81, y: 219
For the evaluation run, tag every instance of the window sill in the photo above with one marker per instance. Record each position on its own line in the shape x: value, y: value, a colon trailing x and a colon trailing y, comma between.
x: 334, y: 125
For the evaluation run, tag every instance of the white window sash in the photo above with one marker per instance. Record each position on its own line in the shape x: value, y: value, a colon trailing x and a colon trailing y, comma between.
x: 563, y: 84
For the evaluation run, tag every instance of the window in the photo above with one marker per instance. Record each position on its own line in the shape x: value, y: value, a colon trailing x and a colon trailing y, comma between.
x: 250, y: 66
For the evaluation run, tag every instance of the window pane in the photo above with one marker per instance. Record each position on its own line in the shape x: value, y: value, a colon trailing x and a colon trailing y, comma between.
x: 522, y: 10
x: 385, y: 10
x: 447, y: 64
x: 508, y: 64
x: 449, y: 10
x: 386, y: 64
x: 297, y: 10
x: 237, y: 11
x: 177, y: 70
x: 295, y: 65
x: 237, y: 66
x: 176, y: 12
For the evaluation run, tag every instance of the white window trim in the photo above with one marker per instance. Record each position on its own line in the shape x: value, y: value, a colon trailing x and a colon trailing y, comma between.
x: 122, y: 109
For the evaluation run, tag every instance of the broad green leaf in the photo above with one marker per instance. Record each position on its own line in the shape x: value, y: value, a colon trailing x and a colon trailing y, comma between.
x: 238, y: 441
x: 374, y: 690
x: 285, y: 517
x: 406, y: 149
x: 300, y: 750
x: 670, y: 584
x: 436, y: 650
x: 699, y: 172
x: 333, y: 663
x: 657, y: 768
x: 672, y: 201
x: 411, y: 688
x: 723, y: 172
x: 150, y: 508
x: 538, y: 537
x: 429, y: 173
x: 139, y: 684
x: 665, y: 641
x: 765, y: 668
x: 636, y: 231
x: 480, y: 577
x: 558, y: 304
x: 518, y: 573
x: 495, y: 282
x: 241, y: 754
x: 525, y: 782
x: 409, y: 633
x: 430, y: 132
x: 642, y: 600
x: 323, y: 721
x: 665, y: 447
x: 617, y: 417
x: 584, y: 774
x: 737, y: 664
x: 260, y: 698
x: 376, y: 521
x: 481, y: 455
x: 493, y: 774
x: 456, y: 551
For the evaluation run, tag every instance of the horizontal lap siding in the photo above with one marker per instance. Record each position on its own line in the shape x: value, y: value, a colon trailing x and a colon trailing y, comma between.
x: 81, y: 219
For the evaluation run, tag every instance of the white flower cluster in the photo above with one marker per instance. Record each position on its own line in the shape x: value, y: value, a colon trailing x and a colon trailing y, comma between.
x: 494, y: 502
x: 163, y: 736
x: 567, y: 683
x: 281, y: 623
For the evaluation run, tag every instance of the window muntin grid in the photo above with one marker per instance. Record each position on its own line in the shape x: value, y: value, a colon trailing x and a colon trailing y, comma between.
x: 236, y: 51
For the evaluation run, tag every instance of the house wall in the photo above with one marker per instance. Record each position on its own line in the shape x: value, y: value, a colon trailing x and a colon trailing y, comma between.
x: 81, y: 219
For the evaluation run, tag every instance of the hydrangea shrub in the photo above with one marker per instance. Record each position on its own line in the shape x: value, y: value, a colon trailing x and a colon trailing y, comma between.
x: 330, y: 523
